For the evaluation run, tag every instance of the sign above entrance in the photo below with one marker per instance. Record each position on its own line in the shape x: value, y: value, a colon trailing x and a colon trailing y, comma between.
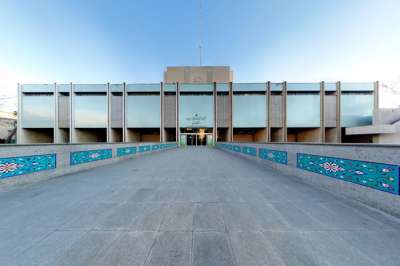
x: 196, y: 111
x: 196, y: 120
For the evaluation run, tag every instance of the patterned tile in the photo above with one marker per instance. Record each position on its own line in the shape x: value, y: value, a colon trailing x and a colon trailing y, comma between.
x: 273, y: 155
x: 155, y: 147
x: 249, y: 151
x: 384, y: 177
x: 145, y: 148
x: 237, y: 148
x: 79, y: 157
x: 21, y: 165
x: 126, y: 151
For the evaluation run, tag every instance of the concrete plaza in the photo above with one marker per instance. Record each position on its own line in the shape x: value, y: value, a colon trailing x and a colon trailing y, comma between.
x: 189, y: 206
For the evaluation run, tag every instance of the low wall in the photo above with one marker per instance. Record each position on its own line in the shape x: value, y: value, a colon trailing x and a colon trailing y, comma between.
x: 21, y: 164
x: 367, y: 173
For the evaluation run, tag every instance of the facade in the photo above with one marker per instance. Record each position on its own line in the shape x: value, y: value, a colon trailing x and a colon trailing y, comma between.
x: 195, y: 105
x: 385, y: 128
x: 8, y: 125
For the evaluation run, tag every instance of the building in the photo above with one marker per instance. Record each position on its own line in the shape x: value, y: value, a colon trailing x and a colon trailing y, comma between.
x: 385, y: 128
x: 8, y: 126
x: 195, y: 105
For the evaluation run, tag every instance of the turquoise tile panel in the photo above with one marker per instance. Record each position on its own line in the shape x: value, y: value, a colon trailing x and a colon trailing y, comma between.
x: 126, y: 151
x: 273, y: 155
x: 249, y: 151
x: 145, y: 148
x: 237, y: 148
x: 155, y: 147
x: 13, y: 166
x: 79, y: 157
x: 384, y: 177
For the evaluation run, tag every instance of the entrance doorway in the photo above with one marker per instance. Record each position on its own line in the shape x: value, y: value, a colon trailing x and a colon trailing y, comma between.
x: 196, y: 137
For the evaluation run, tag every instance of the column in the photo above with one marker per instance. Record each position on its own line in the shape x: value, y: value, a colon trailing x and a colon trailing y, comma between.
x: 19, y: 115
x: 162, y: 138
x: 338, y: 112
x: 215, y: 129
x: 177, y: 131
x: 71, y: 114
x: 322, y: 111
x: 56, y: 132
x: 124, y: 113
x: 230, y: 112
x: 108, y: 137
x: 284, y: 102
x: 376, y: 95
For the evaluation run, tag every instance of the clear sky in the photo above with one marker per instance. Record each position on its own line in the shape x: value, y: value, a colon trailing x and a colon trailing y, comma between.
x: 133, y: 41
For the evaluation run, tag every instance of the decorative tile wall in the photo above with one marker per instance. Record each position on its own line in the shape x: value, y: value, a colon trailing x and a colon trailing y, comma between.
x: 79, y: 157
x: 384, y: 177
x: 273, y: 155
x: 145, y: 148
x: 126, y: 151
x: 249, y: 151
x: 21, y: 165
x: 237, y: 148
x: 155, y: 147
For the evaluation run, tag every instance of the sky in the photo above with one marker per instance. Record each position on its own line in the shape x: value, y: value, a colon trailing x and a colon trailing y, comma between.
x: 90, y: 41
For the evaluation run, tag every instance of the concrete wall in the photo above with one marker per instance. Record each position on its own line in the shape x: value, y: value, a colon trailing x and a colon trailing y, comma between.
x: 205, y: 74
x: 366, y: 156
x: 15, y: 155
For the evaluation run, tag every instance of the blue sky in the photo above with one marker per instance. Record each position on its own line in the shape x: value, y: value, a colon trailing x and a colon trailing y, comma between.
x: 101, y: 41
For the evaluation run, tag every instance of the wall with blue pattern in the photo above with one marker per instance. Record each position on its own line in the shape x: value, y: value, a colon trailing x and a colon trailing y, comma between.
x: 379, y: 176
x: 273, y: 155
x: 78, y: 157
x: 263, y: 153
x: 14, y: 166
x: 126, y: 151
x: 27, y: 164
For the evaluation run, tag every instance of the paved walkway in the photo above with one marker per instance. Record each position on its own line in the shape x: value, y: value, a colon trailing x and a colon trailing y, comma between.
x: 193, y: 206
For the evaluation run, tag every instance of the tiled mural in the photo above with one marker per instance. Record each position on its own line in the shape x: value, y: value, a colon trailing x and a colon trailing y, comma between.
x: 26, y: 164
x: 237, y: 148
x: 126, y: 151
x: 79, y: 157
x: 266, y: 154
x: 273, y: 155
x: 249, y: 151
x: 145, y: 148
x: 379, y: 176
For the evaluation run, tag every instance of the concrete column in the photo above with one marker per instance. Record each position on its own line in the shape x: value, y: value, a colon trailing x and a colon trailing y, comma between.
x: 71, y: 114
x: 19, y: 115
x: 269, y: 101
x: 162, y: 139
x: 376, y: 95
x: 322, y: 111
x: 230, y: 112
x: 124, y: 113
x: 284, y: 110
x: 108, y: 137
x: 56, y: 129
x: 338, y: 112
x: 177, y: 113
x: 215, y: 135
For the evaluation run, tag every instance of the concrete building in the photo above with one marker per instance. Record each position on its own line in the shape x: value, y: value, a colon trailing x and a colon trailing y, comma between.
x: 385, y: 128
x: 195, y: 105
x: 8, y: 125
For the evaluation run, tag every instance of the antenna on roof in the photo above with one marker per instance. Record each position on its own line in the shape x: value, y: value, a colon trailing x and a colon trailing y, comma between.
x: 200, y: 31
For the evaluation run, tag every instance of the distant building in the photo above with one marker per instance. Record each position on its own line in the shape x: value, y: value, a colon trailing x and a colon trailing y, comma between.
x: 195, y: 105
x: 385, y: 128
x: 8, y: 127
